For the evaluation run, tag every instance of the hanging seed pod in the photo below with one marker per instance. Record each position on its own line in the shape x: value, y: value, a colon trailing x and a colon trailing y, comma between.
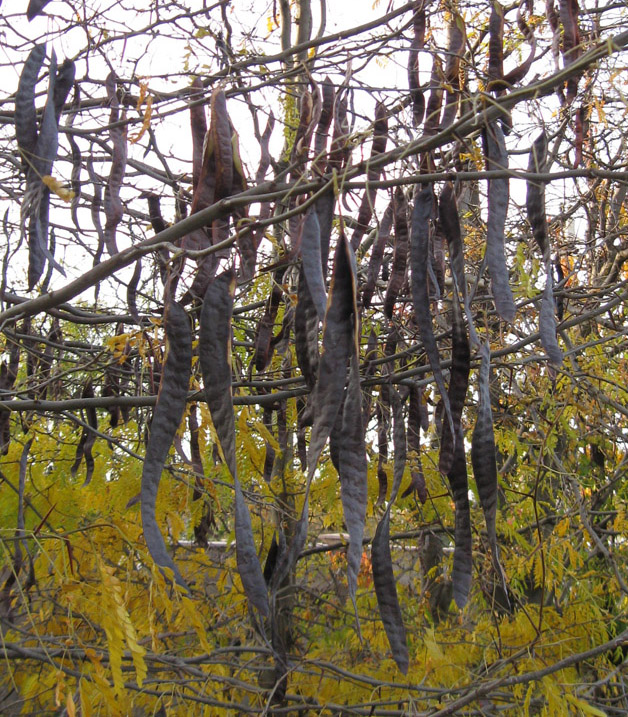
x: 215, y: 359
x: 483, y: 459
x: 383, y: 575
x: 380, y: 137
x: 398, y: 273
x: 419, y: 254
x: 418, y: 43
x: 171, y: 400
x: 498, y: 195
x: 535, y: 206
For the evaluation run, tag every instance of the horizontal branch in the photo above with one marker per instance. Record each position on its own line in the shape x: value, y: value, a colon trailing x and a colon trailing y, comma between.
x: 76, y: 404
x: 268, y: 399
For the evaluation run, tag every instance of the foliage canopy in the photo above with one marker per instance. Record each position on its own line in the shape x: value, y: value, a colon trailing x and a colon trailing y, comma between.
x: 313, y: 388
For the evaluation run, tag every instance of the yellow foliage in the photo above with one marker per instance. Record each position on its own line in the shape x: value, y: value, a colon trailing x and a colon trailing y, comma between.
x: 86, y: 700
x: 584, y: 707
x: 69, y: 705
x: 55, y: 186
x: 148, y: 112
x: 119, y: 629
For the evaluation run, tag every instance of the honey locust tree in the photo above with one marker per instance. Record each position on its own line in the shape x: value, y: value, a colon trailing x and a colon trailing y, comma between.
x: 314, y: 368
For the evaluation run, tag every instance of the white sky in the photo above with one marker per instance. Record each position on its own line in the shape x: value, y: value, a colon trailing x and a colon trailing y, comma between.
x: 163, y: 59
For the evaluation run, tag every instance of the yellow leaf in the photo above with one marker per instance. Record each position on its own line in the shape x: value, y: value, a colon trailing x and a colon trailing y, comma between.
x: 148, y: 112
x: 574, y: 557
x: 585, y: 706
x: 69, y: 705
x: 259, y: 426
x: 190, y: 610
x: 599, y: 106
x: 117, y: 342
x: 105, y: 690
x: 143, y: 93
x: 86, y: 704
x: 55, y: 186
x: 59, y: 687
x: 526, y: 704
x: 118, y: 625
x: 561, y: 528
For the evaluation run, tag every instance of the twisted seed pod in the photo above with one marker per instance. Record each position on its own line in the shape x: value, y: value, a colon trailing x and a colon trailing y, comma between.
x: 419, y: 255
x: 535, y: 206
x: 117, y: 134
x: 383, y: 575
x: 483, y: 459
x: 398, y: 273
x: 215, y: 359
x: 171, y: 399
x: 418, y: 43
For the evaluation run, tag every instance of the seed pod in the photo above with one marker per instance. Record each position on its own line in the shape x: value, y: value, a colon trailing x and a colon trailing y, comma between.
x: 535, y: 194
x: 455, y: 50
x: 377, y: 254
x: 398, y: 274
x: 311, y: 262
x: 483, y: 459
x: 77, y: 160
x: 352, y: 470
x: 131, y: 291
x: 498, y: 194
x: 215, y: 359
x: 339, y: 335
x: 117, y: 135
x: 309, y: 115
x: 435, y: 101
x: 264, y: 332
x: 571, y: 49
x: 535, y: 205
x: 463, y: 561
x: 158, y: 224
x: 383, y: 575
x: 418, y: 43
x: 306, y: 323
x: 88, y: 438
x: 340, y: 149
x: 35, y: 7
x: 382, y: 411
x: 25, y: 112
x: 324, y: 123
x: 450, y: 224
x: 419, y: 247
x: 417, y: 483
x: 36, y: 203
x: 325, y: 211
x: 95, y: 208
x: 380, y: 137
x: 496, y: 47
x: 63, y: 84
x: 171, y: 400
x: 458, y: 384
x: 453, y: 461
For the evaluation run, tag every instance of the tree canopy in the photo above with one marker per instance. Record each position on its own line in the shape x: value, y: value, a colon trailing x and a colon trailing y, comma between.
x: 314, y: 358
